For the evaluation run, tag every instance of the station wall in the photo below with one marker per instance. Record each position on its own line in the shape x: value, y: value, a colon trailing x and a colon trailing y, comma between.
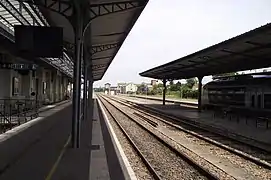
x: 49, y: 85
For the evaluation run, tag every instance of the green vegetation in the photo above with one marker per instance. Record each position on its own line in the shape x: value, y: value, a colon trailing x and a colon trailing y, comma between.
x: 189, y: 90
x: 100, y: 89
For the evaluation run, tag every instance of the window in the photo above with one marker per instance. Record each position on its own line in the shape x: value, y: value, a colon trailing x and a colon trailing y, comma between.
x: 44, y: 87
x: 15, y: 86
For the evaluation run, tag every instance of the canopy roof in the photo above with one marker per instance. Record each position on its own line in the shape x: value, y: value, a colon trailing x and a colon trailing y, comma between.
x: 111, y: 22
x: 13, y: 12
x: 250, y: 50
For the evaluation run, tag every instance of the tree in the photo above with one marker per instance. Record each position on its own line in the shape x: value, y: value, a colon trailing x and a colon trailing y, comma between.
x: 179, y: 84
x: 141, y: 88
x: 160, y: 85
x: 99, y: 89
x: 190, y: 82
x: 154, y: 90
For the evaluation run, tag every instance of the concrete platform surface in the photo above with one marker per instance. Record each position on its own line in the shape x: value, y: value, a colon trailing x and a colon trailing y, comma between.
x: 96, y: 158
x: 50, y: 155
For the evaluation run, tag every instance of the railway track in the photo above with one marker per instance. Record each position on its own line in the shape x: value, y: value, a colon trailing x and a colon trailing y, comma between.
x: 250, y: 159
x: 265, y: 147
x: 257, y: 154
x: 162, y: 159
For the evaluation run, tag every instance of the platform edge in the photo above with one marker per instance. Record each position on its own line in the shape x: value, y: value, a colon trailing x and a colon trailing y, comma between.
x: 127, y: 169
x: 18, y: 129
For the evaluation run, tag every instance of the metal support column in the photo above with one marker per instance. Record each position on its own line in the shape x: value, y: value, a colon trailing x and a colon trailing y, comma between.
x: 164, y: 91
x: 199, y: 93
x: 75, y: 137
x: 90, y: 93
x: 85, y: 106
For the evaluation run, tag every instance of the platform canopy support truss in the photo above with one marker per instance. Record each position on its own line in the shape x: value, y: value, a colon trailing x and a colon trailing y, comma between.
x: 250, y: 50
x: 164, y: 91
x: 86, y: 54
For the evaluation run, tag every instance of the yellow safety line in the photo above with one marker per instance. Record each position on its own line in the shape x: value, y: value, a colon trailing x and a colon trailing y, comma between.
x: 53, y: 169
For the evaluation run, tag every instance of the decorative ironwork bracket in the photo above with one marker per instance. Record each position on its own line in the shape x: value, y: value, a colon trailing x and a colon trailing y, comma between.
x: 98, y: 67
x: 97, y: 10
x: 69, y: 46
x: 98, y: 58
x: 104, y: 47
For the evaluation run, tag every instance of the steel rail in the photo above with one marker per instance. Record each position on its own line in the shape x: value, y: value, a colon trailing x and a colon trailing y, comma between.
x: 146, y: 162
x: 257, y: 161
x: 186, y: 158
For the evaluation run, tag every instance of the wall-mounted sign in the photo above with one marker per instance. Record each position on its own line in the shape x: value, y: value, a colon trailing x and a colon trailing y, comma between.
x: 18, y: 66
x: 39, y: 41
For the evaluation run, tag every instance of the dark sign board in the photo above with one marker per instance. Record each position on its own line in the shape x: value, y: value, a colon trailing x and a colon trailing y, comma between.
x: 18, y: 66
x: 39, y: 41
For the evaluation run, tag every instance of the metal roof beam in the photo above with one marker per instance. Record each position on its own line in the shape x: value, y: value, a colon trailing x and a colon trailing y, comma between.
x: 99, y: 66
x: 111, y: 34
x: 219, y: 58
x: 254, y: 43
x: 32, y: 16
x: 103, y: 47
x: 244, y: 55
x: 59, y: 6
x: 97, y: 10
x: 98, y: 58
x: 12, y: 10
x: 38, y: 13
x: 5, y: 31
x: 4, y: 19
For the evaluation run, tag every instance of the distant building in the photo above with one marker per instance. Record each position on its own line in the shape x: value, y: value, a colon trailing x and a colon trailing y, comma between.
x: 149, y: 87
x: 107, y: 88
x: 153, y: 82
x: 107, y: 85
x: 131, y: 88
x: 114, y: 90
x: 122, y: 88
x: 127, y: 88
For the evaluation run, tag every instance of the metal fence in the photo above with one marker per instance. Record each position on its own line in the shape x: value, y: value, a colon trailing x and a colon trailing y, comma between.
x: 14, y: 112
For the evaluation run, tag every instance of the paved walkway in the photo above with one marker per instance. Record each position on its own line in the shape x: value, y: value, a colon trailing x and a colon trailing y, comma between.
x: 242, y: 127
x: 36, y: 158
x: 171, y: 100
x: 50, y: 155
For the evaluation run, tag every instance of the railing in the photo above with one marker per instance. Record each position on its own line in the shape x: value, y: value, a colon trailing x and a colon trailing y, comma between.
x: 14, y: 112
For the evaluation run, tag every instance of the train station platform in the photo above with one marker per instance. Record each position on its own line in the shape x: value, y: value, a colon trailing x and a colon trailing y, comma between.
x: 249, y: 130
x: 169, y: 100
x: 41, y: 148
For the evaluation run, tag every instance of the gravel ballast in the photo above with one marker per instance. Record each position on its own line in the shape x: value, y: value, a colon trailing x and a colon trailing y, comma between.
x: 166, y: 163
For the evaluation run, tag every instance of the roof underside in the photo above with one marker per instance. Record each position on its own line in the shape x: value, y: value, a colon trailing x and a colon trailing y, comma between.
x: 250, y: 50
x: 111, y: 22
x: 13, y: 12
x: 112, y: 30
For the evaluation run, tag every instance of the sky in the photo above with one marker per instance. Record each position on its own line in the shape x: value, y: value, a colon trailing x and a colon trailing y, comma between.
x: 170, y: 29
